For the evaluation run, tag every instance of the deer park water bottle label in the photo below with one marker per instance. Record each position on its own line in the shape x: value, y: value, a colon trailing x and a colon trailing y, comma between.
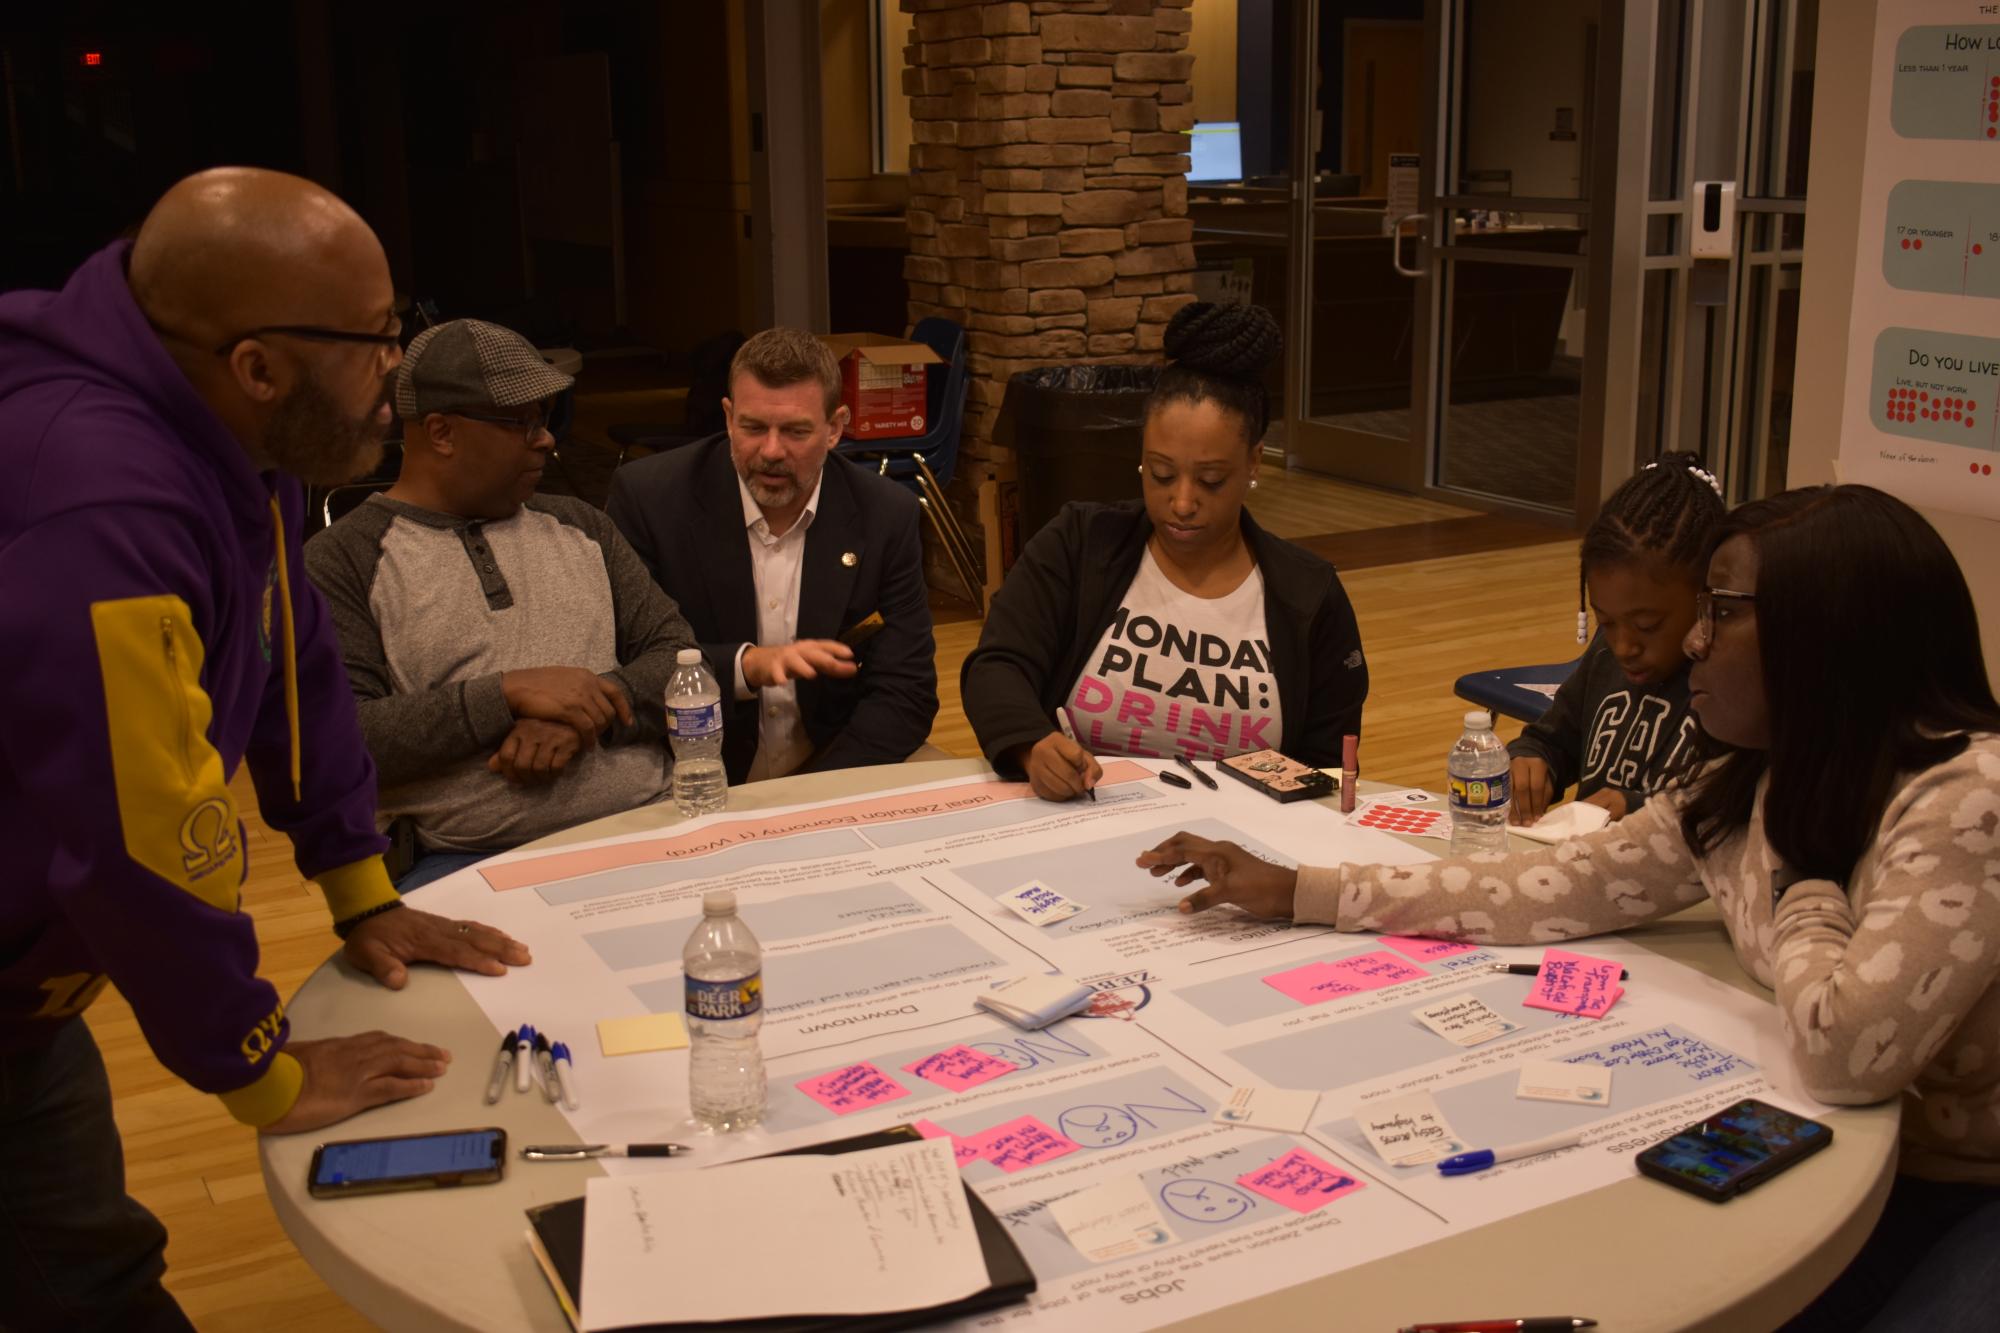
x: 1481, y: 793
x: 721, y: 1000
x: 694, y: 723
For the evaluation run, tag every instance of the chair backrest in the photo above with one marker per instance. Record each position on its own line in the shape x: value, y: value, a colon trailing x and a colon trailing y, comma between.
x: 340, y: 501
x: 945, y: 400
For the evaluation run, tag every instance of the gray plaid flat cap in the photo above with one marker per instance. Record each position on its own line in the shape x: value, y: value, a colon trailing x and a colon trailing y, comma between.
x: 468, y: 363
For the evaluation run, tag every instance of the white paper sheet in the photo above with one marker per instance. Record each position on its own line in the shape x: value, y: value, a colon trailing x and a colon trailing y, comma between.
x: 854, y: 1233
x: 1115, y: 1220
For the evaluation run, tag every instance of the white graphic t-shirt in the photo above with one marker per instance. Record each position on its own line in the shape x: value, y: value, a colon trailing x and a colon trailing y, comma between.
x: 1180, y: 674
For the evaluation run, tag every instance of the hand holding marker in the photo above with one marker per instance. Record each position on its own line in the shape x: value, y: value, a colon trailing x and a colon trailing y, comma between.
x: 1069, y: 731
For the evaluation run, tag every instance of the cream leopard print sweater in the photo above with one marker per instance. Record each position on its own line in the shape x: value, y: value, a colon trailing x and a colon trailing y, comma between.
x: 1885, y: 987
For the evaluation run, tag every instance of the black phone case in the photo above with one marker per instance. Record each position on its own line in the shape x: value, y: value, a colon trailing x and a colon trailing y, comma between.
x: 449, y: 1180
x: 1776, y: 1166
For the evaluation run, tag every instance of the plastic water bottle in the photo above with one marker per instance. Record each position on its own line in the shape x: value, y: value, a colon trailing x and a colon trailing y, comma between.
x: 694, y: 724
x: 725, y: 1008
x: 1481, y: 788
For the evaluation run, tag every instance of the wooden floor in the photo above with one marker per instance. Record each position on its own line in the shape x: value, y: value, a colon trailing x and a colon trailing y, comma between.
x: 1424, y: 622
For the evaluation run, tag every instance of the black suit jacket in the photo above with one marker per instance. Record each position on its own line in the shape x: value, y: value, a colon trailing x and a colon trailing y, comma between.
x: 683, y: 514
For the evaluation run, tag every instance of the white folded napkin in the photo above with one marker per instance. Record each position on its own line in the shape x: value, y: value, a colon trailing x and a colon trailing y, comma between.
x: 1566, y: 822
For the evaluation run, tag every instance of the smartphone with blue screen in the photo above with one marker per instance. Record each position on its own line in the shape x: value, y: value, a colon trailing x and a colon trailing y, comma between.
x: 407, y: 1162
x: 1734, y: 1150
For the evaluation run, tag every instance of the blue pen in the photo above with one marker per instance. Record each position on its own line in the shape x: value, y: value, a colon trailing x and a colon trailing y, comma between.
x: 1467, y: 1162
x: 524, y: 1054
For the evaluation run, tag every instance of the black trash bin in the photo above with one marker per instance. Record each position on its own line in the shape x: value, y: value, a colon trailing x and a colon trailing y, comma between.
x: 1075, y: 431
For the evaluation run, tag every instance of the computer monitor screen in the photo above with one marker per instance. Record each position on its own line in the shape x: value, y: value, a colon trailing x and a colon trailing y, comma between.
x: 1215, y: 151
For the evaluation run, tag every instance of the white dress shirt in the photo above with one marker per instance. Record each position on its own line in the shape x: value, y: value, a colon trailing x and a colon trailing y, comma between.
x: 775, y: 564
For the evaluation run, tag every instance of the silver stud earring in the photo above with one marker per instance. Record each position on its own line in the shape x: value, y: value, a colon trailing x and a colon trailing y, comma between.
x: 1253, y: 483
x: 1141, y: 468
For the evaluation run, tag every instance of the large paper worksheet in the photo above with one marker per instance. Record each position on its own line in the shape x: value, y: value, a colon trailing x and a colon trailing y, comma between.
x: 883, y: 917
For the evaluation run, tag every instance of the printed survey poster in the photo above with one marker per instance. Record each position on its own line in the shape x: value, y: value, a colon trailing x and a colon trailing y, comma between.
x: 1923, y: 380
x: 1244, y: 1104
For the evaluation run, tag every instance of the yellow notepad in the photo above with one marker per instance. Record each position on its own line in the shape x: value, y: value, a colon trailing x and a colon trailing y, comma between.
x: 647, y: 1032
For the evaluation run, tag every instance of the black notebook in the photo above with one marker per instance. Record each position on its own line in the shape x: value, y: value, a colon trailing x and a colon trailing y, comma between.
x: 559, y: 1234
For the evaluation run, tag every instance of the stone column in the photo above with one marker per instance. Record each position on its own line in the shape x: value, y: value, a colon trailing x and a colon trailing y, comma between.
x: 1048, y: 196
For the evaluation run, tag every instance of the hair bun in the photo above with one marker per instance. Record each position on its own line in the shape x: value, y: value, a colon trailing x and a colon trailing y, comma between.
x: 1237, y: 341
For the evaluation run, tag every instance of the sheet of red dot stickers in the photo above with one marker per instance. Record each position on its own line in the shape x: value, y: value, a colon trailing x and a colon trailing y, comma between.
x: 1923, y: 374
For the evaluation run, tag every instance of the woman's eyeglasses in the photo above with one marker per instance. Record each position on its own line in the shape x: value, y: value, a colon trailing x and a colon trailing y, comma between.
x: 1704, y: 608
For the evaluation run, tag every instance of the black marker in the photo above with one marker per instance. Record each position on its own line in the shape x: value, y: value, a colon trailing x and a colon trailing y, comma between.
x: 1535, y: 969
x: 1176, y: 780
x: 1199, y: 776
x: 501, y: 1063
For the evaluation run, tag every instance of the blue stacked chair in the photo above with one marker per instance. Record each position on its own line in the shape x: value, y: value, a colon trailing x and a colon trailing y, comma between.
x: 925, y: 463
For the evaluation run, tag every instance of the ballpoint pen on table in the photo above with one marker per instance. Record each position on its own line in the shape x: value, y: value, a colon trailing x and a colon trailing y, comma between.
x: 1534, y: 969
x: 501, y: 1062
x: 1062, y: 720
x: 524, y: 1054
x: 568, y: 1073
x: 1467, y: 1162
x: 1541, y: 1323
x: 577, y: 1152
x: 1199, y: 776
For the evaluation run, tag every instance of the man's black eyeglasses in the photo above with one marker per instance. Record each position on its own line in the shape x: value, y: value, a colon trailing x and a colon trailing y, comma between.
x: 313, y: 333
x: 531, y: 426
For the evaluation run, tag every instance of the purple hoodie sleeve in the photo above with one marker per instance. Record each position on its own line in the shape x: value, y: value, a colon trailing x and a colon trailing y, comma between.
x: 105, y: 618
x: 332, y: 822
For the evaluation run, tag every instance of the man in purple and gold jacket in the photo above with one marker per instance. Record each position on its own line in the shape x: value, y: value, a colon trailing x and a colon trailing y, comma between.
x: 157, y: 630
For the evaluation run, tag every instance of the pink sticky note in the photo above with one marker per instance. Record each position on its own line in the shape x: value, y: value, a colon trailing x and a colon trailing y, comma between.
x: 1575, y: 983
x: 1020, y: 1144
x: 1371, y: 971
x: 1423, y: 951
x: 855, y: 1088
x: 1312, y: 984
x: 960, y: 1068
x: 1300, y: 1181
x: 963, y: 1153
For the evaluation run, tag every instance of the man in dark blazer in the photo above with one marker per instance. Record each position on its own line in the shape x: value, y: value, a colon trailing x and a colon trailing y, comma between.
x: 800, y: 571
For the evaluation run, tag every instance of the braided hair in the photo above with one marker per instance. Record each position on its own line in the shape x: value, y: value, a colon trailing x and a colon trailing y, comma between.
x: 1218, y: 353
x: 1670, y: 509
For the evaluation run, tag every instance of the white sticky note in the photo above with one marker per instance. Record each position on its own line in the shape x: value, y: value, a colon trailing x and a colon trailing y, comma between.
x: 1114, y: 1220
x: 647, y: 1032
x: 1409, y: 1131
x: 1039, y: 905
x: 1465, y: 1020
x: 1268, y: 1108
x: 1558, y: 1081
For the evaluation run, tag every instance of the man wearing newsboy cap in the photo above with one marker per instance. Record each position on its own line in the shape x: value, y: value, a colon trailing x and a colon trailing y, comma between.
x: 509, y: 653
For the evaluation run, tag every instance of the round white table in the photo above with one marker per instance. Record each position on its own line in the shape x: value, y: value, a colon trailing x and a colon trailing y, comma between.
x: 1633, y: 1256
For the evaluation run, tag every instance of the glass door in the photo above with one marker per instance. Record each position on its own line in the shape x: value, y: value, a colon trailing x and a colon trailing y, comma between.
x: 1442, y: 349
x: 1364, y: 131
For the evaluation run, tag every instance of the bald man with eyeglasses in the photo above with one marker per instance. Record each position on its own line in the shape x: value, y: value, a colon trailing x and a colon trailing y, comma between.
x: 157, y: 418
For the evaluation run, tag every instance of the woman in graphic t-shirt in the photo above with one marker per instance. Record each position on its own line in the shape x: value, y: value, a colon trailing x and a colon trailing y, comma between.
x: 1173, y: 624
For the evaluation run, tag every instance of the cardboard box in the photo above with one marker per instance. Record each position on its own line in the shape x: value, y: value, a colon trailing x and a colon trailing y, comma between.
x: 883, y: 383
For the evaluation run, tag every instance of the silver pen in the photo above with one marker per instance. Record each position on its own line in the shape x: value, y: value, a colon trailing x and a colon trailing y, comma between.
x: 577, y: 1152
